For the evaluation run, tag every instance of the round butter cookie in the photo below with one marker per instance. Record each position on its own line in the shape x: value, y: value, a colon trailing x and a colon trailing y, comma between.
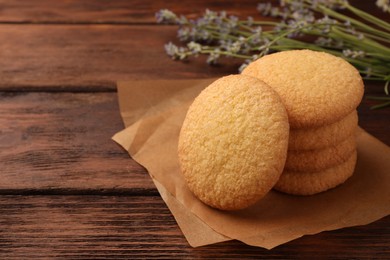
x: 233, y: 142
x: 309, y: 183
x: 316, y: 88
x: 320, y: 159
x: 324, y: 136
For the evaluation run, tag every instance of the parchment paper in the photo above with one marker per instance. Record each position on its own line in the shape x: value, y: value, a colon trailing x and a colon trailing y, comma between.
x: 153, y: 112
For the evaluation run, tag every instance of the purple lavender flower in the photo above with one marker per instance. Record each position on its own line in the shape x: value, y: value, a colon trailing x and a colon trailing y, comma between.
x: 171, y: 49
x: 194, y: 47
x: 218, y: 34
x: 264, y: 8
x: 354, y: 54
x: 166, y: 16
x: 214, y: 56
x: 384, y: 5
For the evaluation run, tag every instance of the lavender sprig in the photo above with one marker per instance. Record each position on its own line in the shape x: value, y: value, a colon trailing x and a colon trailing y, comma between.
x: 363, y: 42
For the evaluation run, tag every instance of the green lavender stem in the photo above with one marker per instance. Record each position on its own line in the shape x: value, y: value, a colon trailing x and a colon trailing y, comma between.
x: 368, y: 17
x: 363, y: 42
x: 355, y: 22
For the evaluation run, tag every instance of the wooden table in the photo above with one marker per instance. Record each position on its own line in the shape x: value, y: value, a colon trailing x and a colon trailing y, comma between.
x: 66, y: 189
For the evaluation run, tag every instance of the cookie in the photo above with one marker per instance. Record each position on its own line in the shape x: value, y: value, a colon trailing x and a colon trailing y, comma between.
x: 309, y: 183
x: 317, y: 88
x: 233, y: 142
x: 324, y: 136
x: 320, y: 159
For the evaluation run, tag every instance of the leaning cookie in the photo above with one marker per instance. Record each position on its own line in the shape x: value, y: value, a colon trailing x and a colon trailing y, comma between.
x: 324, y: 136
x: 233, y: 142
x: 320, y: 159
x: 310, y: 183
x: 317, y: 88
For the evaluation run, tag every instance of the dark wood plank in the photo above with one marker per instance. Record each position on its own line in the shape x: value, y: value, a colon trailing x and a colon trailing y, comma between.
x: 90, y: 57
x: 127, y: 12
x: 112, y: 12
x: 61, y: 143
x: 376, y: 122
x: 94, y: 57
x: 100, y: 227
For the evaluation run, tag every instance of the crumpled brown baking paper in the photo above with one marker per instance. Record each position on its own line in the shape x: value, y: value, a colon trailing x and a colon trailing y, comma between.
x: 153, y: 112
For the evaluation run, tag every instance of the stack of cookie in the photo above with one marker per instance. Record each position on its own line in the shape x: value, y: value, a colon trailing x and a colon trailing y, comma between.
x: 288, y: 122
x: 320, y: 93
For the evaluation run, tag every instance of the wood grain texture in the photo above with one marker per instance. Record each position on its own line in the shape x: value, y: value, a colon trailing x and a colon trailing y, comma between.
x: 61, y: 143
x: 66, y: 190
x: 91, y: 57
x: 94, y: 57
x: 128, y: 12
x: 376, y: 122
x: 113, y: 11
x: 105, y: 227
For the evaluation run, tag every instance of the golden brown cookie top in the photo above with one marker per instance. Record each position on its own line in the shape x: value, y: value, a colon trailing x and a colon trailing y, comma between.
x: 233, y: 142
x: 317, y: 88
